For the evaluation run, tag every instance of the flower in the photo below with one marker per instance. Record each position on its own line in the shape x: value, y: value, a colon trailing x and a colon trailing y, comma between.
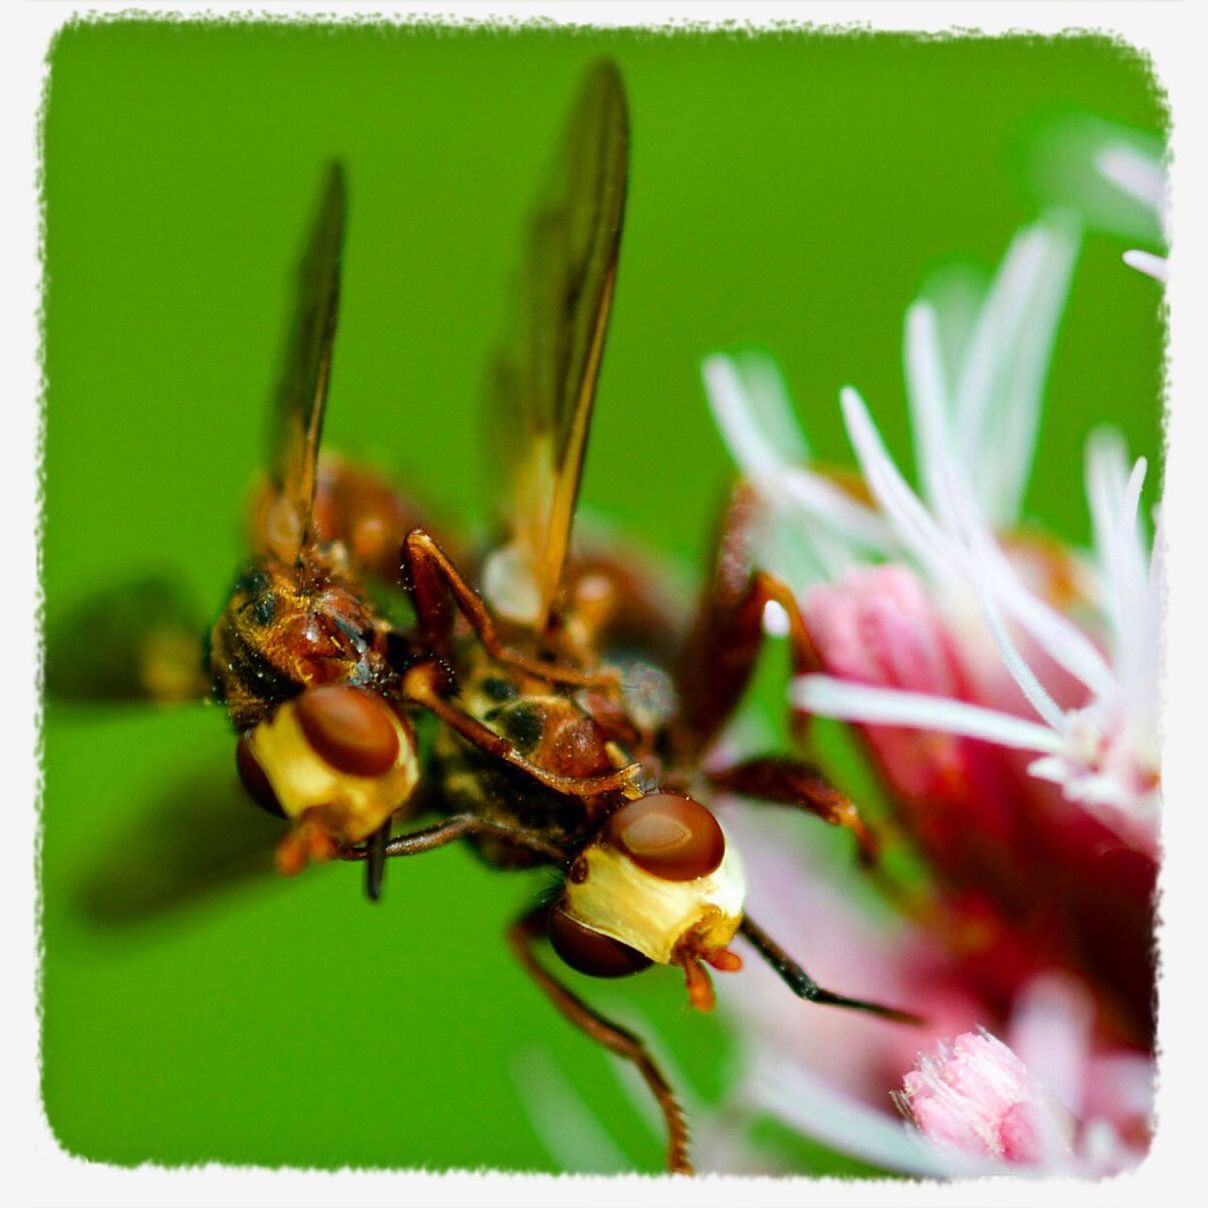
x: 974, y: 1095
x: 949, y: 638
x: 974, y: 442
x: 1006, y: 687
x: 1103, y: 752
x: 829, y: 1074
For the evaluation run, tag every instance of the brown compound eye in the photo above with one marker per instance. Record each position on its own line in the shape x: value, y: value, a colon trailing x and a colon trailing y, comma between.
x: 590, y: 952
x: 352, y: 730
x: 668, y: 836
x: 253, y: 777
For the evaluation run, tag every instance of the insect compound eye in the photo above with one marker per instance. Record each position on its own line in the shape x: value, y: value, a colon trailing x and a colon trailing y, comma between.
x: 590, y: 952
x: 671, y: 837
x: 352, y: 730
x: 254, y: 779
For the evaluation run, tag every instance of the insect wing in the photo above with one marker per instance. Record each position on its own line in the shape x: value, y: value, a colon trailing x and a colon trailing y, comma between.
x: 302, y: 394
x: 545, y: 383
x: 135, y: 641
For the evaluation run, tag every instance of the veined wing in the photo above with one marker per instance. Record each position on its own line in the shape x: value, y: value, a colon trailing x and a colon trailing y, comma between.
x: 134, y: 641
x: 302, y: 393
x: 546, y: 381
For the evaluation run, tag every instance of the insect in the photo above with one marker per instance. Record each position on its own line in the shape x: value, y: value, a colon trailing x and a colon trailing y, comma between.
x: 569, y: 721
x: 298, y: 655
x: 547, y: 752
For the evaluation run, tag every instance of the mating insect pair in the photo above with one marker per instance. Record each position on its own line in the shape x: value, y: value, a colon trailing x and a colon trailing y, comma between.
x: 565, y: 734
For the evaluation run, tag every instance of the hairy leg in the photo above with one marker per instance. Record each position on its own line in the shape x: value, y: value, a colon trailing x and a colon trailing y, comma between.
x: 719, y: 656
x: 522, y: 935
x: 423, y: 684
x: 783, y: 780
x: 459, y: 826
x: 437, y: 588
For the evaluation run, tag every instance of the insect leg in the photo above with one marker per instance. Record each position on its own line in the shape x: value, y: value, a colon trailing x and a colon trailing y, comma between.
x: 720, y: 653
x: 522, y: 935
x: 421, y: 685
x: 375, y: 867
x: 804, y: 986
x: 459, y: 826
x: 432, y: 579
x: 786, y: 781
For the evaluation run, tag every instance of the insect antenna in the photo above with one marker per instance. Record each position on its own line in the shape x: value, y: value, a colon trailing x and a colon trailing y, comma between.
x: 804, y: 986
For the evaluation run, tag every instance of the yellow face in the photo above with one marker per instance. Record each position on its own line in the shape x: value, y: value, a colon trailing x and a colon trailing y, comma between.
x: 336, y: 761
x: 659, y: 884
x: 657, y: 917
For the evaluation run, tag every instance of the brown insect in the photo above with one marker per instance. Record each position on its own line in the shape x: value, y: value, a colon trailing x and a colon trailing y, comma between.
x: 571, y: 715
x: 299, y: 655
x: 317, y: 684
x: 550, y: 749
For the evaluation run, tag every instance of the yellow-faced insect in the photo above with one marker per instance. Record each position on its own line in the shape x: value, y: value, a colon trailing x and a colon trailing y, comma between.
x: 548, y: 751
x: 570, y: 718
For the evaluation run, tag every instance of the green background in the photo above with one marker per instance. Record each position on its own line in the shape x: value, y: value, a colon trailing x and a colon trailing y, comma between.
x: 788, y: 190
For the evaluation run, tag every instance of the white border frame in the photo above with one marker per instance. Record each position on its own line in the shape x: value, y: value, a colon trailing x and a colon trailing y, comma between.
x: 37, y: 1172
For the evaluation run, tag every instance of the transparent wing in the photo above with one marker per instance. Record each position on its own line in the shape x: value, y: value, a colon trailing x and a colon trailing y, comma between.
x: 134, y: 641
x: 545, y: 382
x: 302, y: 394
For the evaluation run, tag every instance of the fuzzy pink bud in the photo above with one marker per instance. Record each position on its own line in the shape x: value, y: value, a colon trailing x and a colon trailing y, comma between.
x: 975, y: 1095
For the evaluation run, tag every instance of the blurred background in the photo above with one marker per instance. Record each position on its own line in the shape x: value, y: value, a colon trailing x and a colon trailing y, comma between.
x: 790, y: 190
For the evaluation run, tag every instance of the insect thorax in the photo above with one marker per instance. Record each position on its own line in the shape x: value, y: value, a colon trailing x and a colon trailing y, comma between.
x: 290, y: 626
x: 549, y: 729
